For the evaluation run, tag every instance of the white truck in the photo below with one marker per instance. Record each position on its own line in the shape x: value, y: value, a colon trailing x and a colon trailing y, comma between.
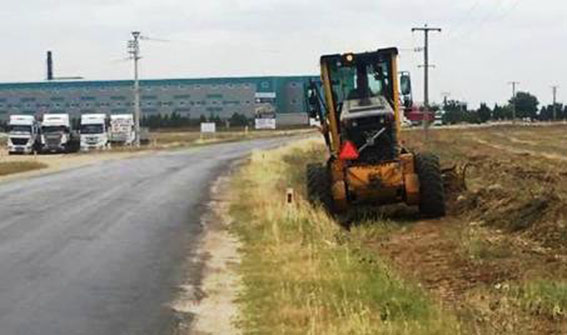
x: 122, y: 129
x: 94, y: 132
x: 57, y: 134
x: 23, y: 136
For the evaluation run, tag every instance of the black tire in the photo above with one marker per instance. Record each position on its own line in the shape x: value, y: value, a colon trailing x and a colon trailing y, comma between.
x: 319, y: 186
x: 432, y: 192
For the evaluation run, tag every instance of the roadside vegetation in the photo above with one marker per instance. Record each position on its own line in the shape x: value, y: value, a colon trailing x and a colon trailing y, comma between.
x: 178, y: 139
x: 304, y: 274
x: 7, y: 168
x: 496, y: 264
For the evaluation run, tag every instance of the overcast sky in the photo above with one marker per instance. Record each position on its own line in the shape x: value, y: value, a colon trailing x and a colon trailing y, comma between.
x: 484, y: 43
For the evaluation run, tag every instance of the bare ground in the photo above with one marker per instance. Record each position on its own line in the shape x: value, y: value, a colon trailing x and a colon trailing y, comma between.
x: 506, y: 231
x: 211, y: 303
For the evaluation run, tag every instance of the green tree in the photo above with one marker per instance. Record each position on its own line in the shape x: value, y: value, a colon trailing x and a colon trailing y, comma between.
x: 455, y: 112
x: 526, y: 105
x: 484, y: 113
x: 547, y: 112
x: 238, y: 120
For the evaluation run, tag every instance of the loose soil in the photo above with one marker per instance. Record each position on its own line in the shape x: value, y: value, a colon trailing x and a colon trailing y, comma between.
x: 506, y: 229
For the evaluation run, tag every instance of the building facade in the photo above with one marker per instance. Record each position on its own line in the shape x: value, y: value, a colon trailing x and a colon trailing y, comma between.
x: 192, y: 98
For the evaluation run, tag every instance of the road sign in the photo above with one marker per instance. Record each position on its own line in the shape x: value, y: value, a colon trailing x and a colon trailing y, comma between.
x: 265, y: 123
x: 208, y: 127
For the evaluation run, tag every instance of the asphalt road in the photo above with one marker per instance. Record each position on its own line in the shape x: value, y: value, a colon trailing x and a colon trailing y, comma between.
x: 98, y: 249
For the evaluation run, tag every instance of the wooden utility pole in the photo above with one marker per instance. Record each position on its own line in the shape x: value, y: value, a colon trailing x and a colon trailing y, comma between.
x: 425, y: 29
x: 554, y: 88
x: 514, y: 84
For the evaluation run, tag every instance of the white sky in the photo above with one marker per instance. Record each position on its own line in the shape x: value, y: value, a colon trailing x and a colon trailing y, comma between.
x: 484, y: 43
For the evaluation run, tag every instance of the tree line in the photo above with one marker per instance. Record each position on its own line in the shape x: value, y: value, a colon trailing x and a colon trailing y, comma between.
x: 176, y: 120
x: 524, y: 105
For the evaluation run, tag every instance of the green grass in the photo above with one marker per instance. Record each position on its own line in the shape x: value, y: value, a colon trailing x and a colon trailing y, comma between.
x: 543, y: 297
x: 304, y: 274
x: 7, y: 168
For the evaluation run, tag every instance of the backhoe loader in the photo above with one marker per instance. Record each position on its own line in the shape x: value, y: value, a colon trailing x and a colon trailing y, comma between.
x: 359, y: 103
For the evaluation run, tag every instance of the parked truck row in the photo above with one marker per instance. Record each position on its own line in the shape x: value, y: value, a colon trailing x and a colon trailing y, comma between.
x: 56, y: 134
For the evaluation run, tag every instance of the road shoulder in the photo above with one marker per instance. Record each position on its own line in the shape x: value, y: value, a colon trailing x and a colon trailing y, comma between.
x: 210, y: 306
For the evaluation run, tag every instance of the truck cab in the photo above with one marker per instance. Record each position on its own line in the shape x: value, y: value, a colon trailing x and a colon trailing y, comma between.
x: 57, y: 134
x: 94, y: 132
x: 122, y: 130
x: 24, y: 132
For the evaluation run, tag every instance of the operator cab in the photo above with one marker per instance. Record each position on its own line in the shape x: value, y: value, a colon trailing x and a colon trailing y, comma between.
x: 365, y: 98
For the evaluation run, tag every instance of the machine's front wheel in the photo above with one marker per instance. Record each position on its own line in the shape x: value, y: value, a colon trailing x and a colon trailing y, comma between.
x: 319, y: 186
x: 431, y: 190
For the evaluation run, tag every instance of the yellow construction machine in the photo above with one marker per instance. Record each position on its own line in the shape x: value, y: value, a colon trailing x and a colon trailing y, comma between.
x: 359, y: 104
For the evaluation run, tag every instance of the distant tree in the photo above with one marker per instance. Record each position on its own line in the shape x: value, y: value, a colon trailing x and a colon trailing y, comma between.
x: 202, y: 119
x: 435, y: 107
x: 526, y: 105
x: 501, y: 113
x: 455, y: 112
x: 546, y: 112
x: 484, y: 113
x: 238, y: 120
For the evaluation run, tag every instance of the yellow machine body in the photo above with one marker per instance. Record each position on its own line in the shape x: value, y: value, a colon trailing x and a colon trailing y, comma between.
x: 385, y: 182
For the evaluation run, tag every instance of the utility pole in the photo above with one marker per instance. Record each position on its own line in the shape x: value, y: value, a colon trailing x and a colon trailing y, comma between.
x: 134, y: 51
x: 554, y: 88
x: 425, y: 29
x: 514, y: 84
x: 445, y: 96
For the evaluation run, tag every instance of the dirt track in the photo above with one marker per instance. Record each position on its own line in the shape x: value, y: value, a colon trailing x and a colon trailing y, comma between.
x: 504, y: 233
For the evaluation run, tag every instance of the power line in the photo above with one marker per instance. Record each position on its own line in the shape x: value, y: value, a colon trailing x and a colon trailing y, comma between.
x: 492, y: 15
x: 465, y: 16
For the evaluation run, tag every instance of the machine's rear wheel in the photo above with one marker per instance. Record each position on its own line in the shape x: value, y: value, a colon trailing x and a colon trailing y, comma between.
x: 319, y: 186
x: 431, y: 191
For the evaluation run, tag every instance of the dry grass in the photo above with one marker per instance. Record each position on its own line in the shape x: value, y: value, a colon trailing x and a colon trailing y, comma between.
x: 304, y: 274
x: 194, y: 138
x: 7, y: 168
x: 498, y: 261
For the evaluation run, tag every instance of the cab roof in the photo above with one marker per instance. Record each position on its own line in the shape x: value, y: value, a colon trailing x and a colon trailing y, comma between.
x: 363, y: 56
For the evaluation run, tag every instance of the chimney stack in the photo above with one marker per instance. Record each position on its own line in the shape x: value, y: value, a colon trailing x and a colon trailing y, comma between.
x: 49, y: 66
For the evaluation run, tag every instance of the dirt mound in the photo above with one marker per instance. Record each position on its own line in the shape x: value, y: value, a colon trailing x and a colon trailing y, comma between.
x: 538, y: 216
x: 523, y: 215
x: 424, y: 252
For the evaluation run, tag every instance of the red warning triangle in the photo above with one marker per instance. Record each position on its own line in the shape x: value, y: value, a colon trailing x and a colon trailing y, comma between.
x: 349, y: 152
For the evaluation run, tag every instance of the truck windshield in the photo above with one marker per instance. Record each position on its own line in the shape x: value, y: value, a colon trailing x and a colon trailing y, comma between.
x: 53, y: 129
x: 20, y: 129
x: 92, y: 129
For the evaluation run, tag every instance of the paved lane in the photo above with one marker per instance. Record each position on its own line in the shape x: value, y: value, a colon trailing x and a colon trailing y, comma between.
x: 97, y: 250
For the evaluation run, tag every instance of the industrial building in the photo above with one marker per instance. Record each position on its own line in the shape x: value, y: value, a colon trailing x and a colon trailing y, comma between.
x: 187, y: 97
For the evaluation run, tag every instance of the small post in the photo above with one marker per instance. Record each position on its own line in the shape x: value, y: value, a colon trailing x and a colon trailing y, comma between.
x: 289, y: 196
x: 290, y: 204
